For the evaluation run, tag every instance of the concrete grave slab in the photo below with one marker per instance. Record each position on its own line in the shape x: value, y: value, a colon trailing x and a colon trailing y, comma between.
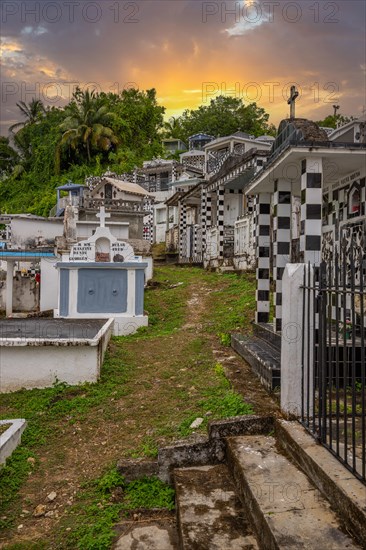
x: 34, y: 353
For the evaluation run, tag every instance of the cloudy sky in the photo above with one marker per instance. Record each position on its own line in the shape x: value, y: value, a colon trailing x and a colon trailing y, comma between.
x: 189, y: 50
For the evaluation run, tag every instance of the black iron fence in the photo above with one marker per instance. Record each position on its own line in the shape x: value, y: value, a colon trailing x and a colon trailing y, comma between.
x: 333, y: 356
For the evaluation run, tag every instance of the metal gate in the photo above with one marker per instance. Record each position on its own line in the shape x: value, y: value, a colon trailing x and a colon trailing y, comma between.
x: 333, y: 356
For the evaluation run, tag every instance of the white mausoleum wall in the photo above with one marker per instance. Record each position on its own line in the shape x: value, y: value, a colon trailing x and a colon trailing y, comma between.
x: 25, y: 294
x: 160, y: 232
x: 49, y: 287
x: 232, y: 208
x: 85, y: 229
x: 29, y: 233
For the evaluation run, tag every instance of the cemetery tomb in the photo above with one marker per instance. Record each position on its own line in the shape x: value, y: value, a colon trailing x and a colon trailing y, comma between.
x: 35, y: 353
x: 102, y: 278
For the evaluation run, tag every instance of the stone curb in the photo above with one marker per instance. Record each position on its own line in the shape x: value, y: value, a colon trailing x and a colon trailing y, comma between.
x: 10, y: 439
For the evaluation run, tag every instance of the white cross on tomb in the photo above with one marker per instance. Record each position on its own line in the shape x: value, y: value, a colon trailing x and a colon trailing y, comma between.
x: 102, y: 216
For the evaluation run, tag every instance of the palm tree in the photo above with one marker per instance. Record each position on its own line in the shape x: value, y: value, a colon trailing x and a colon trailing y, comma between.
x: 32, y: 113
x: 173, y: 128
x: 88, y: 124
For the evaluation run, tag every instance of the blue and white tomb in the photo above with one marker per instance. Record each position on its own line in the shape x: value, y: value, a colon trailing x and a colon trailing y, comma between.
x: 102, y: 278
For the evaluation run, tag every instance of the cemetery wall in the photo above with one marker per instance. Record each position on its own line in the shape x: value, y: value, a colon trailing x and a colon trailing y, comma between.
x: 85, y: 229
x: 134, y: 219
x: 25, y: 294
x: 49, y: 285
x: 34, y: 232
x: 39, y: 366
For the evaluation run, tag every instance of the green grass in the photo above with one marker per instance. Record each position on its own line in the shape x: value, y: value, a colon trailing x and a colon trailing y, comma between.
x: 44, y: 410
x: 231, y: 306
x: 98, y: 510
x: 220, y: 401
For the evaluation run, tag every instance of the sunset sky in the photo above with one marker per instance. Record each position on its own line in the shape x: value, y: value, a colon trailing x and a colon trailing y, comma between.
x: 190, y: 51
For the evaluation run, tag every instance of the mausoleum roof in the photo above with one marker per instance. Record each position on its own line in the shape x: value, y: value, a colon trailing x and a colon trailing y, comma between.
x: 125, y: 186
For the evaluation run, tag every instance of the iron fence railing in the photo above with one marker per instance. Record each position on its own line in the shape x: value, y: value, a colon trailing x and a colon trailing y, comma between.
x: 333, y: 356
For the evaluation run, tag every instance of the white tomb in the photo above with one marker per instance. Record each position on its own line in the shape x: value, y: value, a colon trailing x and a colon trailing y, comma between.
x: 102, y: 278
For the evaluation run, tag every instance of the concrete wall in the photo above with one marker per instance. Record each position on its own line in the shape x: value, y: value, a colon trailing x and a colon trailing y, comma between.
x: 29, y: 233
x: 25, y: 294
x: 84, y: 229
x: 134, y: 219
x: 10, y: 439
x: 160, y: 230
x: 49, y: 285
x: 149, y: 271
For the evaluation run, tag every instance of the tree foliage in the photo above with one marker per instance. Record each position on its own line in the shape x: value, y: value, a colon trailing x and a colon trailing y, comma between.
x: 88, y: 124
x: 98, y: 130
x: 334, y: 121
x: 33, y: 113
x: 92, y: 132
x: 8, y: 156
x: 223, y: 116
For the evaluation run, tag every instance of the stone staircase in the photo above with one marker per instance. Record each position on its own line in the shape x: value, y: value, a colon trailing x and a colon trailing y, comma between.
x: 258, y: 496
x: 209, y: 512
x: 262, y: 351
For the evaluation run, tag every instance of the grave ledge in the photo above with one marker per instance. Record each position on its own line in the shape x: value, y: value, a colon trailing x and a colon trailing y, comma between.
x: 10, y: 439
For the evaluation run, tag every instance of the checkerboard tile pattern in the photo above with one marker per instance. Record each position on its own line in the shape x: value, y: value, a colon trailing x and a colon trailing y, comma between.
x: 311, y: 210
x: 220, y: 218
x: 263, y: 214
x: 281, y: 242
x: 182, y: 226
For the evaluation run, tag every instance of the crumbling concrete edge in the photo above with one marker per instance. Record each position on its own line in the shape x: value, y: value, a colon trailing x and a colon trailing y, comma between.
x: 203, y: 451
x: 196, y: 450
x: 10, y: 439
x: 335, y: 482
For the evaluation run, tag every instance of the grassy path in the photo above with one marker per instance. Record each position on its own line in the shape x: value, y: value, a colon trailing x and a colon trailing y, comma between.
x: 152, y: 386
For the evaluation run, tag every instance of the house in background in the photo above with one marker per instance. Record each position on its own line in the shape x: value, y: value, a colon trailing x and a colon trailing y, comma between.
x: 172, y: 145
x: 218, y: 150
x: 217, y: 227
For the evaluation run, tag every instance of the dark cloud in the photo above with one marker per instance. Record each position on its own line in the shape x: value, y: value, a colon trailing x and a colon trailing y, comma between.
x: 177, y: 46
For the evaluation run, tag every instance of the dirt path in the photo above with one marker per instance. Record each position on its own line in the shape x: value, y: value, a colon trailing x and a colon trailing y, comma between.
x: 167, y: 371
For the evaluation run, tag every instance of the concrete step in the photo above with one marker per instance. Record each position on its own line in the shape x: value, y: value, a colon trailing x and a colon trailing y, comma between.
x: 265, y: 332
x: 346, y: 493
x: 287, y: 512
x: 148, y: 537
x: 264, y: 359
x: 209, y: 513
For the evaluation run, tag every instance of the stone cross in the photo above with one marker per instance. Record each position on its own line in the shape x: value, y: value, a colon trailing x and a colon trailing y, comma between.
x: 102, y: 216
x: 291, y: 101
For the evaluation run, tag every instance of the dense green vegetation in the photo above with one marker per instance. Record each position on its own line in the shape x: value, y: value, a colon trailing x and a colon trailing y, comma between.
x: 334, y: 121
x: 50, y: 146
x: 223, y: 116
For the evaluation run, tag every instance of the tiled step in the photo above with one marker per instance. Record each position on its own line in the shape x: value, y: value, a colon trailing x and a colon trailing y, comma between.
x: 209, y: 513
x: 287, y: 512
x: 265, y: 332
x: 264, y: 359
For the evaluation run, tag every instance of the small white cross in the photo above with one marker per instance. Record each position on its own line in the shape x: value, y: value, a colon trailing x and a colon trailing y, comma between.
x: 102, y: 216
